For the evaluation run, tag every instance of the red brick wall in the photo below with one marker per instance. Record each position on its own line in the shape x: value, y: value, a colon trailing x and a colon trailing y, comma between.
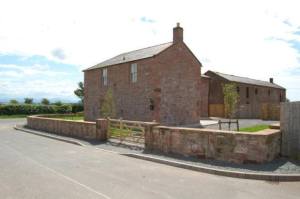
x: 247, y: 107
x: 204, y: 94
x: 171, y: 79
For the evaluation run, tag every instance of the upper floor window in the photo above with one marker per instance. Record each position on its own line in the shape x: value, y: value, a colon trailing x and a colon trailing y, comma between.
x: 247, y: 92
x: 104, y: 76
x: 256, y: 91
x: 133, y: 73
x: 237, y: 89
x: 280, y: 97
x: 269, y: 92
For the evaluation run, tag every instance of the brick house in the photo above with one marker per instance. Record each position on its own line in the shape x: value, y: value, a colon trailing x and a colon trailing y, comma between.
x: 255, y: 96
x: 162, y: 83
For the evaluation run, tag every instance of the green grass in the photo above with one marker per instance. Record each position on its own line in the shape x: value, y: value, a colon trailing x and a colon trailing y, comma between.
x: 255, y: 128
x: 12, y: 116
x: 118, y: 132
x: 67, y: 117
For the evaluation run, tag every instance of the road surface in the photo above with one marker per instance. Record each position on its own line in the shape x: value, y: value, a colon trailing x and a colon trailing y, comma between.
x: 36, y: 167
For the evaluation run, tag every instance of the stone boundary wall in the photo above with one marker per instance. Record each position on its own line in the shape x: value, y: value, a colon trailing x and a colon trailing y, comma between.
x: 290, y: 127
x: 80, y: 129
x: 230, y: 146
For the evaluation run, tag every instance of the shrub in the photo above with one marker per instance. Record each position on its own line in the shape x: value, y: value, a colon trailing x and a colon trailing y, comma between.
x: 13, y: 101
x: 45, y: 101
x: 64, y: 108
x: 28, y: 100
x: 30, y: 109
x: 58, y: 103
x: 77, y: 108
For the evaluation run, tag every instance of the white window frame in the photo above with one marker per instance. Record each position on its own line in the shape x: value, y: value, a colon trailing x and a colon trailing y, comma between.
x: 133, y: 72
x: 104, y: 76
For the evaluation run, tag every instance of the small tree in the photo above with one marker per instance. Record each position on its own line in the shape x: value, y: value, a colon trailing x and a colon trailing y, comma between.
x: 28, y: 100
x: 45, y: 101
x: 58, y: 103
x: 231, y: 98
x: 108, y: 106
x: 13, y: 101
x: 79, y: 92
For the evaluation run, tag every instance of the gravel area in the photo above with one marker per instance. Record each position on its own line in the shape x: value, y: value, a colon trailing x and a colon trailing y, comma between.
x: 280, y: 165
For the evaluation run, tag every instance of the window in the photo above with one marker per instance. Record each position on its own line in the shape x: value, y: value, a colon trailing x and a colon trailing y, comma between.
x: 256, y: 91
x: 237, y: 89
x: 133, y: 73
x: 151, y: 104
x: 247, y: 92
x: 269, y: 92
x: 104, y: 76
x: 280, y: 97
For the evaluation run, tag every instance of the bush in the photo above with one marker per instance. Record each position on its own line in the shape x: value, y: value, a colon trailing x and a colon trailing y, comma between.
x: 45, y: 101
x: 13, y: 101
x: 30, y: 109
x: 58, y: 103
x: 77, y: 108
x: 28, y: 100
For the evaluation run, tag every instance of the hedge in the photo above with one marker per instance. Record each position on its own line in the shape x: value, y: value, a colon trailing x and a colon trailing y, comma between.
x: 31, y: 109
x: 77, y: 108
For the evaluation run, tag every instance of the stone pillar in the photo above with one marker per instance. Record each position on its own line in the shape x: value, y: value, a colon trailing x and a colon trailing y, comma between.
x: 290, y: 128
x: 149, y: 136
x: 102, y: 129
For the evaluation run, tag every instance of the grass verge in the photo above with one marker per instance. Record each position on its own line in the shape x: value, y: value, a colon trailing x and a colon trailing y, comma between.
x: 255, y: 128
x: 12, y: 116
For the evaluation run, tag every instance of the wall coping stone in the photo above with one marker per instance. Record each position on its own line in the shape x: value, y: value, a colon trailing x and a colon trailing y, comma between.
x: 201, y: 130
x: 43, y: 117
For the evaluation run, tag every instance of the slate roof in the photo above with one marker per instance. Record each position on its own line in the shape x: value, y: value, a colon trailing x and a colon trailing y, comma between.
x: 133, y: 55
x: 247, y: 80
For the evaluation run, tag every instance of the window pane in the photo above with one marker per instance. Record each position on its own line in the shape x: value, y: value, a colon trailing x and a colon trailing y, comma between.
x: 133, y: 72
x: 104, y: 76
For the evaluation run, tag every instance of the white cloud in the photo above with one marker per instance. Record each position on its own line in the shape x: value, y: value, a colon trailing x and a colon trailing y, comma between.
x: 12, y: 70
x: 247, y: 38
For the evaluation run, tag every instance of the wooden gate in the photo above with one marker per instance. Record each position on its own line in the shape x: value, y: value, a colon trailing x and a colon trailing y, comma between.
x: 126, y: 131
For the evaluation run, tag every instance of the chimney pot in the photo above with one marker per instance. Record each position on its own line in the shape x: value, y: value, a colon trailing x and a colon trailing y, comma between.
x: 271, y: 80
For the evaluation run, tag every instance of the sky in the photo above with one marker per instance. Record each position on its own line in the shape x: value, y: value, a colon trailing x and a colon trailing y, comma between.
x: 45, y: 44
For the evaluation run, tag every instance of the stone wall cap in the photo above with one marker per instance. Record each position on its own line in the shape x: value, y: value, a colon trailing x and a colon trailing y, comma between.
x: 203, y: 130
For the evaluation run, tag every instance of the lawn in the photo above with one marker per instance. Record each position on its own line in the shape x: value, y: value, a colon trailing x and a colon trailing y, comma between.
x: 70, y: 117
x: 255, y: 128
x: 12, y: 116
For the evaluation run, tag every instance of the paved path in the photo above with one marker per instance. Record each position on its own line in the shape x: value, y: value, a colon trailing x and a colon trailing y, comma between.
x: 37, y: 167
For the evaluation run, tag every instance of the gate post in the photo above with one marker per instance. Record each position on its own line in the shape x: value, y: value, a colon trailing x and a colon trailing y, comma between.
x: 102, y: 129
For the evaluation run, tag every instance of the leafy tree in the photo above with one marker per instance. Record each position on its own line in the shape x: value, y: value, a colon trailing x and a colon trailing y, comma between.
x: 28, y: 100
x: 108, y: 105
x: 79, y: 92
x: 13, y: 101
x: 58, y: 103
x: 45, y: 101
x: 231, y: 97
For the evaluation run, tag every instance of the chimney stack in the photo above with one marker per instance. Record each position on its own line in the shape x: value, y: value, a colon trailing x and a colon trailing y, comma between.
x: 271, y: 80
x: 177, y: 34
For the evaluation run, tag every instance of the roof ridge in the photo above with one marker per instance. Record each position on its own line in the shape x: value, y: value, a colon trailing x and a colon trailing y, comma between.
x: 137, y: 54
x: 241, y: 76
x: 144, y: 48
x: 247, y: 79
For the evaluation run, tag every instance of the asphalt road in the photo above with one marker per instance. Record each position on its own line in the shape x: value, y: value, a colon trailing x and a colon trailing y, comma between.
x: 36, y: 167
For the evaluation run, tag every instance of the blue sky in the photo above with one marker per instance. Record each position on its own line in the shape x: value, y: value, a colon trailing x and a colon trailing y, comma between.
x: 44, y: 45
x: 37, y: 77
